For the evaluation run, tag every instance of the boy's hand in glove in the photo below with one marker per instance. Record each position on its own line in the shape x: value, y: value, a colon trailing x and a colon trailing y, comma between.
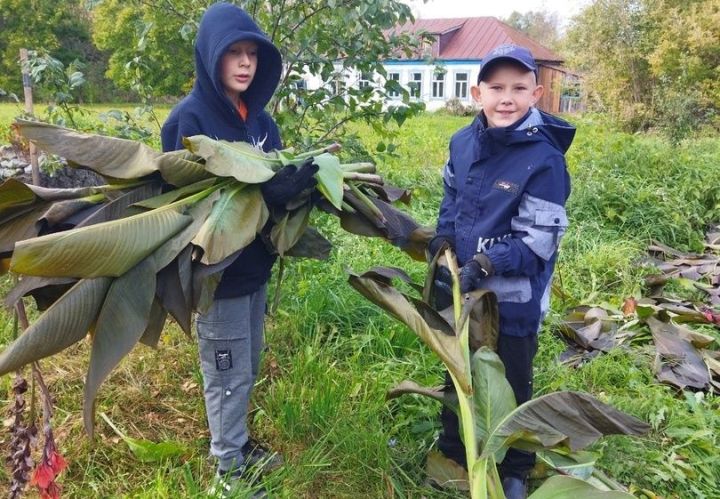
x: 288, y: 182
x: 473, y: 271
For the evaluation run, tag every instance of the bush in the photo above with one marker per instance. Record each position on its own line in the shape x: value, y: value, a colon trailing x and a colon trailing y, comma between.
x: 455, y: 107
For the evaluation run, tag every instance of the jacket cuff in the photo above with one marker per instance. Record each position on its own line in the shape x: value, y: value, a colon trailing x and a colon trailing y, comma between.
x: 500, y: 257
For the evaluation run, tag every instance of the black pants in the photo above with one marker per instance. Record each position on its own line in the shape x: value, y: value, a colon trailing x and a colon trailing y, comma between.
x: 517, y: 355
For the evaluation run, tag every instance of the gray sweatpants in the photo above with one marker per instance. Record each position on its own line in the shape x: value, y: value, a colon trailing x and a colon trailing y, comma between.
x: 230, y: 340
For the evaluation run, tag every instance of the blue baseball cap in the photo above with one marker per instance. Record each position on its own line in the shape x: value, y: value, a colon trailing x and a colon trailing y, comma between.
x: 508, y: 52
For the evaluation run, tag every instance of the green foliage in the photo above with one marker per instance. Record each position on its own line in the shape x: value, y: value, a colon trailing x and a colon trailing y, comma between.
x: 541, y: 26
x: 59, y: 28
x: 650, y: 63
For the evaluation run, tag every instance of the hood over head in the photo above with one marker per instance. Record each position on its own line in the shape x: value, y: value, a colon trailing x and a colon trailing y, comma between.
x: 222, y: 25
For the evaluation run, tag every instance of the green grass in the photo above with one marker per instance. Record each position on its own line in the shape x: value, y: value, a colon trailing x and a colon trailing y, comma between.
x: 332, y: 355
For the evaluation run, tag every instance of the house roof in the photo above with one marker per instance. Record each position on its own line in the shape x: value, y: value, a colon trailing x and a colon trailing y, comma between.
x: 473, y: 37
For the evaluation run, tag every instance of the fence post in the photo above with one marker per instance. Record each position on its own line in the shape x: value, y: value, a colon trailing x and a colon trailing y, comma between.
x: 27, y: 89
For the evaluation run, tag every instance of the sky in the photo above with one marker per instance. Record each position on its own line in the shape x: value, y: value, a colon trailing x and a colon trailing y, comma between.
x: 564, y: 9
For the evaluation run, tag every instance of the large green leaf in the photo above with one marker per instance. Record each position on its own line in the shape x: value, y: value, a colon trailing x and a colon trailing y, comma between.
x: 176, y: 194
x: 288, y: 231
x: 59, y: 211
x: 121, y: 322
x: 311, y: 244
x: 238, y: 215
x: 106, y: 249
x: 399, y: 306
x: 156, y: 323
x: 66, y: 322
x: 174, y: 288
x: 181, y: 168
x: 240, y: 160
x: 45, y: 290
x: 120, y: 207
x: 493, y: 395
x: 566, y: 487
x: 109, y: 156
x: 330, y: 178
x: 571, y: 420
x: 14, y: 195
x: 23, y: 226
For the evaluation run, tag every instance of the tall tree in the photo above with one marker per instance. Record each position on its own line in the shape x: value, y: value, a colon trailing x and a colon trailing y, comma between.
x: 61, y: 29
x: 151, y: 43
x: 651, y: 63
x: 539, y: 25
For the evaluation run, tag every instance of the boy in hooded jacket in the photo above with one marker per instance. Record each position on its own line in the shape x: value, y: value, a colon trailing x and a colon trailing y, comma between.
x: 503, y: 214
x: 237, y: 71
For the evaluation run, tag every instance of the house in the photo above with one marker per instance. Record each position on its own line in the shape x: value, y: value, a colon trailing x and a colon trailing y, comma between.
x: 448, y: 64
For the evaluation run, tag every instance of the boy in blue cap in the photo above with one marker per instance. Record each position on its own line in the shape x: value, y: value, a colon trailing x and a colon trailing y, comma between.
x: 503, y: 213
x: 237, y: 71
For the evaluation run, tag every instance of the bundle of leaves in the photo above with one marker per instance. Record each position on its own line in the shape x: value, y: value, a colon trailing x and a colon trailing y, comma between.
x: 115, y: 260
x: 464, y: 336
x: 683, y: 355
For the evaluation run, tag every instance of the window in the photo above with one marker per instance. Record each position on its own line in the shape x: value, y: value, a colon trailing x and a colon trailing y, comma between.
x: 461, y: 85
x: 394, y: 77
x: 438, y: 86
x: 415, y: 85
x: 337, y: 84
x: 365, y: 80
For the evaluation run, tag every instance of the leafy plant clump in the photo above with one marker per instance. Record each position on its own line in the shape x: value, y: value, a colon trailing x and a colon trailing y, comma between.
x: 117, y: 259
x: 464, y: 337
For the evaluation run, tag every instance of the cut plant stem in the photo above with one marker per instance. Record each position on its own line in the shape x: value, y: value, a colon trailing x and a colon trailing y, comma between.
x: 359, y: 167
x: 332, y: 148
x: 362, y: 197
x: 466, y: 402
x: 363, y: 177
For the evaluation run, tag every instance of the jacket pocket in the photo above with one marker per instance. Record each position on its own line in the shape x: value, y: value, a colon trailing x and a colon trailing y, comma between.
x: 509, y: 289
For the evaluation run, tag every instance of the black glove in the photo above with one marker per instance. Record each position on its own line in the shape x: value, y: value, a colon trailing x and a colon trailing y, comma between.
x: 443, y: 288
x: 436, y: 243
x: 288, y: 182
x: 473, y: 271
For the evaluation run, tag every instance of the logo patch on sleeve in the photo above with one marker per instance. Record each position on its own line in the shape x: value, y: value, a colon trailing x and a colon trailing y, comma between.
x: 506, y: 186
x: 223, y: 360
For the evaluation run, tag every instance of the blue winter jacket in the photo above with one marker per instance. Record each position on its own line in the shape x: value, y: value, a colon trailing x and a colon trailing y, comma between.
x: 208, y: 111
x: 505, y: 193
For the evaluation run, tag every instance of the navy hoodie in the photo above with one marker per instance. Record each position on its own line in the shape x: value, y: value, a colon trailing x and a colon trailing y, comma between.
x: 208, y: 111
x: 505, y: 194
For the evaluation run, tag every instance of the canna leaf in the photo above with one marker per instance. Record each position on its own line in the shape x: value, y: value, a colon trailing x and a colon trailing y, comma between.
x: 286, y: 233
x: 24, y: 225
x: 121, y: 322
x: 330, y: 178
x: 448, y: 398
x: 571, y: 420
x: 399, y: 306
x: 66, y: 322
x: 108, y: 156
x: 238, y: 215
x: 240, y: 160
x: 181, y: 168
x: 493, y: 395
x: 156, y: 322
x: 566, y: 487
x: 106, y: 249
x: 311, y: 244
x: 174, y: 289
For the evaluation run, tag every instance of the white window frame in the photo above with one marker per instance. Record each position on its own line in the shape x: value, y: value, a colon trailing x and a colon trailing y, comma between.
x: 395, y: 76
x: 366, y: 80
x: 415, y: 84
x: 461, y: 84
x: 438, y: 86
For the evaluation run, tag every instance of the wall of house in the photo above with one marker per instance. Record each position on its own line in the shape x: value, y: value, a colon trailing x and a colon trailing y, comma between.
x: 407, y: 72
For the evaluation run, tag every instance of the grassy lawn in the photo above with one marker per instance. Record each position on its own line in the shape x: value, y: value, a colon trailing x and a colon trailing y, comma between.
x: 331, y: 355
